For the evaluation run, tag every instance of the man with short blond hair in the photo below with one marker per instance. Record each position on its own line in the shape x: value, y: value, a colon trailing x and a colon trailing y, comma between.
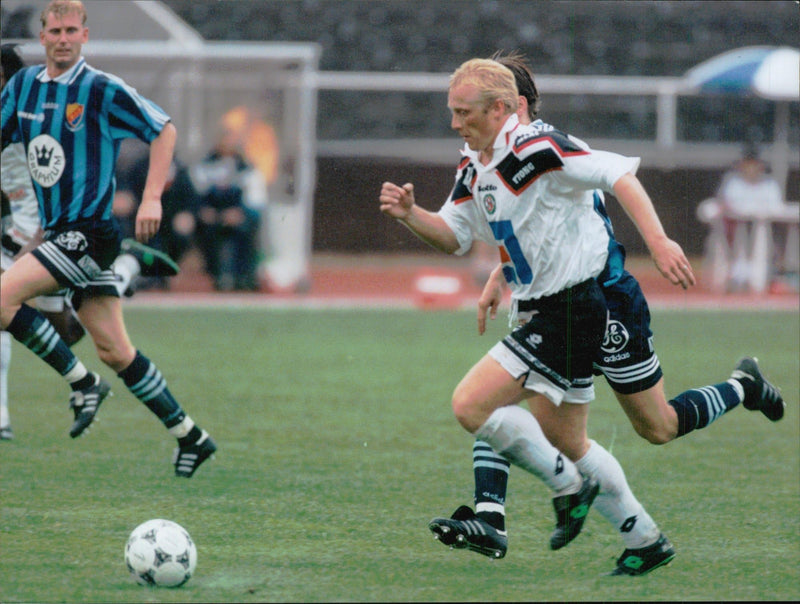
x: 71, y: 119
x: 529, y: 191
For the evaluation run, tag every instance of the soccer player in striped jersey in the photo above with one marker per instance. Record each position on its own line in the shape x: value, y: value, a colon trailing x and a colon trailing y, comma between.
x: 22, y: 232
x: 71, y: 118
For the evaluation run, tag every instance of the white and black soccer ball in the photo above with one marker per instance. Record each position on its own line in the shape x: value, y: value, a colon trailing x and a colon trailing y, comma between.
x: 161, y: 553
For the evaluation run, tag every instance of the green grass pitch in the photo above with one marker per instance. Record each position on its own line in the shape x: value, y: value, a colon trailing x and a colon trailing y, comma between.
x: 337, y: 445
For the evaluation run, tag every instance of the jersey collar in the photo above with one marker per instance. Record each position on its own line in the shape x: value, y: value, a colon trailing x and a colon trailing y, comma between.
x: 66, y: 77
x: 503, y: 141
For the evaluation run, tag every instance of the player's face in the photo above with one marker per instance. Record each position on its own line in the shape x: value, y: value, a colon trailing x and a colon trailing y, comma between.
x: 62, y: 38
x: 471, y: 118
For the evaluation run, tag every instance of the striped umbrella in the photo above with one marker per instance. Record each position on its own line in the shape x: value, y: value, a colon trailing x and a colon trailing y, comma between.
x: 771, y: 72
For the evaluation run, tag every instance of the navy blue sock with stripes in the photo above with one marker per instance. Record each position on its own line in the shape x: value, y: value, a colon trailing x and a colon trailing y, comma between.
x: 145, y: 381
x: 699, y: 407
x: 491, y: 482
x: 33, y: 330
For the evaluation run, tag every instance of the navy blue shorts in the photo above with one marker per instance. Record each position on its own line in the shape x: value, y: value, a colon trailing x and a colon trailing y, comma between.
x: 79, y: 256
x: 627, y: 357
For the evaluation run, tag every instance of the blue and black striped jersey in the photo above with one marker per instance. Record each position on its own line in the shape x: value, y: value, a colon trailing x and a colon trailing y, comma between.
x: 71, y: 127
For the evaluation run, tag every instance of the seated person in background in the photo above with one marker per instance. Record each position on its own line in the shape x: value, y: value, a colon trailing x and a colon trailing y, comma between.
x: 179, y: 201
x: 232, y: 196
x: 746, y: 191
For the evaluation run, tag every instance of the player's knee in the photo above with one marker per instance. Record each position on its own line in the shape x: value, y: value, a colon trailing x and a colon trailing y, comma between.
x: 463, y: 416
x: 7, y: 313
x: 464, y: 410
x: 114, y: 356
x: 655, y: 435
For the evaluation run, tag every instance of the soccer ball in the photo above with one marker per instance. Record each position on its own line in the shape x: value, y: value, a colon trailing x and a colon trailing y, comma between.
x: 161, y: 553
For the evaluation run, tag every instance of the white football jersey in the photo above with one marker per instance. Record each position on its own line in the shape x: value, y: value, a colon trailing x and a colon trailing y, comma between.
x: 16, y: 182
x: 535, y: 202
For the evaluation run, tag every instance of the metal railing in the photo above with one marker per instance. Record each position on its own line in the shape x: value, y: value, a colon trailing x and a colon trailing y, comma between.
x: 663, y: 150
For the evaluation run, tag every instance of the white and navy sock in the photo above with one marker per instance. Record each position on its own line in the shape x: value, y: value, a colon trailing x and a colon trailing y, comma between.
x: 615, y: 500
x: 699, y: 407
x: 491, y: 482
x: 514, y: 433
x: 5, y: 363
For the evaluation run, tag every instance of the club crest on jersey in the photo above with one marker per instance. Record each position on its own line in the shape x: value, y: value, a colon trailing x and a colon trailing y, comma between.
x: 74, y: 115
x: 46, y: 160
x: 490, y: 204
x: 616, y: 338
x: 73, y: 241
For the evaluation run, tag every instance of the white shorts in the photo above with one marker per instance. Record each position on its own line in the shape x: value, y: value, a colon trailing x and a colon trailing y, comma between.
x: 517, y: 367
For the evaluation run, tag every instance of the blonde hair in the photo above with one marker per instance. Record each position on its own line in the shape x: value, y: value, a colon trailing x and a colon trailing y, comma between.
x: 493, y: 80
x: 59, y: 8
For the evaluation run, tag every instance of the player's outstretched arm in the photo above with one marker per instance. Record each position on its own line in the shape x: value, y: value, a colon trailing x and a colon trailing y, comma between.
x: 398, y: 202
x: 667, y: 254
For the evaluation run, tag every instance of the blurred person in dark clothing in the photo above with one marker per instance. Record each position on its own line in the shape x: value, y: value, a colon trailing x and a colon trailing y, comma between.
x: 232, y: 196
x: 180, y: 202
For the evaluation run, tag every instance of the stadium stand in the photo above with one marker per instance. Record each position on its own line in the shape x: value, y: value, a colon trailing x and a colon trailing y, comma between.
x: 564, y: 37
x: 664, y: 38
x: 659, y: 38
x: 567, y: 37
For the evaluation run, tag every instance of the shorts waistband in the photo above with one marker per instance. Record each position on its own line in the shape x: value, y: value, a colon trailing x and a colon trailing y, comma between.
x: 556, y: 299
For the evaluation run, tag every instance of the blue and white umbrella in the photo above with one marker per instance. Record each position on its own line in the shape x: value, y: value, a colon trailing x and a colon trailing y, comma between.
x: 771, y: 72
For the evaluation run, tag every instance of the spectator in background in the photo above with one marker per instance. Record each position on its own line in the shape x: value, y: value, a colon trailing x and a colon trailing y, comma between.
x: 124, y: 207
x: 179, y: 201
x: 257, y: 140
x: 180, y: 211
x: 747, y: 191
x: 232, y: 194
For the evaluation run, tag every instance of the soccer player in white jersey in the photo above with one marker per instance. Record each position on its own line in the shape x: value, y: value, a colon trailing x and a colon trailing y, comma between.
x: 22, y: 232
x: 71, y: 118
x: 627, y: 360
x: 530, y: 191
